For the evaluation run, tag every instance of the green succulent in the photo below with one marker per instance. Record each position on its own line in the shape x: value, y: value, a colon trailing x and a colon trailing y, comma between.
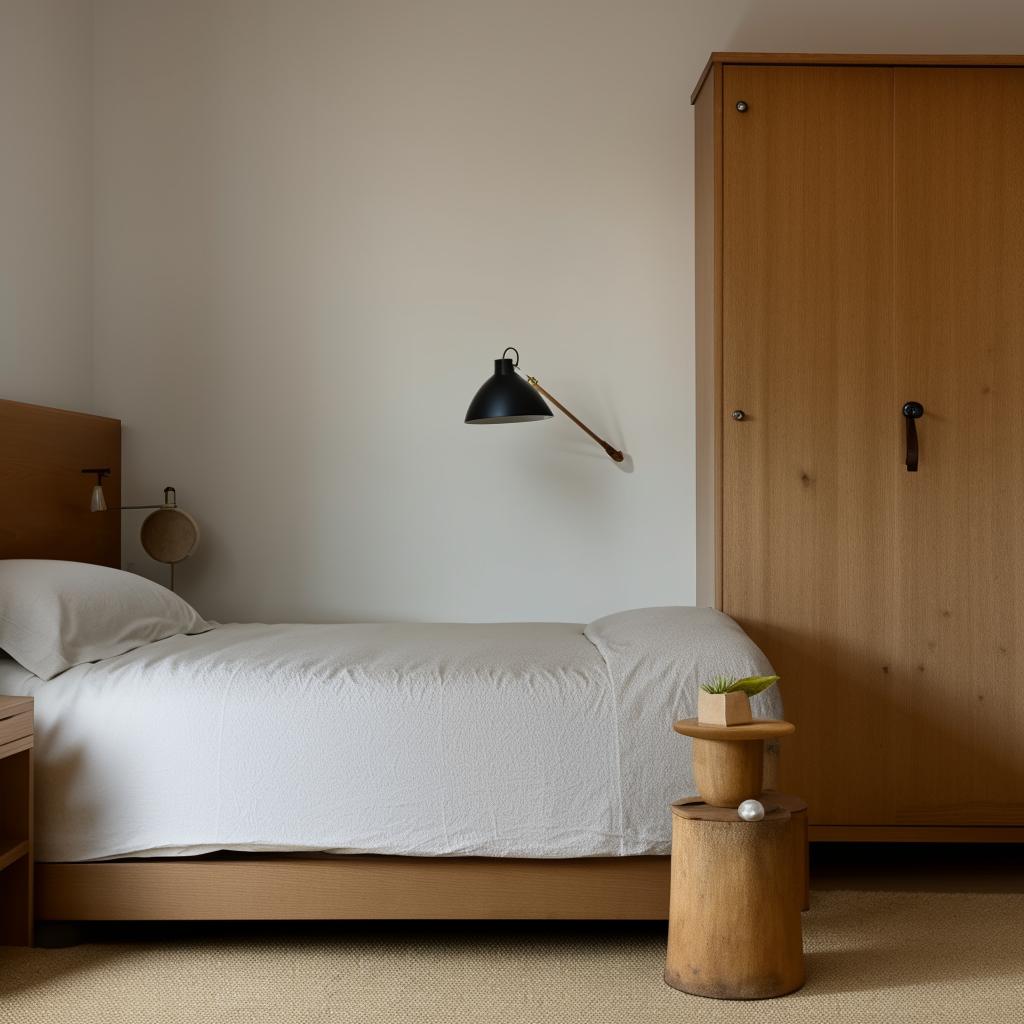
x: 749, y: 686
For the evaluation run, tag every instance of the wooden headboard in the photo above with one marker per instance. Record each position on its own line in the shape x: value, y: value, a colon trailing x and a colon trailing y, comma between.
x: 44, y: 498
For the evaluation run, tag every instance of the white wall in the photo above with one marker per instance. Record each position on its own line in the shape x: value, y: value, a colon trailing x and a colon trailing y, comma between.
x: 319, y: 221
x: 46, y: 202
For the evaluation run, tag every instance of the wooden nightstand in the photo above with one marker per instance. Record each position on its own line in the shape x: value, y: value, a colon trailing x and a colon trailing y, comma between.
x: 16, y: 741
x: 737, y: 885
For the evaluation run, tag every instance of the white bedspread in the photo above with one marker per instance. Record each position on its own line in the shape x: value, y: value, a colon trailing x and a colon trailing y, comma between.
x: 527, y: 740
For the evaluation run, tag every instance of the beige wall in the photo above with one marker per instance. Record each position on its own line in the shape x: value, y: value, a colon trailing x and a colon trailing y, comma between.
x: 46, y: 202
x: 319, y: 221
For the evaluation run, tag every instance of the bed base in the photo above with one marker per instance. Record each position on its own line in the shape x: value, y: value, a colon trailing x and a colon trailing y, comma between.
x: 42, y: 453
x: 281, y: 887
x: 288, y: 887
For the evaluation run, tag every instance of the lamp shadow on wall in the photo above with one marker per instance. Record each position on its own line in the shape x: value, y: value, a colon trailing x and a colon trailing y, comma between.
x: 611, y: 416
x: 565, y: 440
x: 581, y: 449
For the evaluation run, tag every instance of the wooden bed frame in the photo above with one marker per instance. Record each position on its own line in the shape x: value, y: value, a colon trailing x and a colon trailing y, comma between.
x: 46, y: 515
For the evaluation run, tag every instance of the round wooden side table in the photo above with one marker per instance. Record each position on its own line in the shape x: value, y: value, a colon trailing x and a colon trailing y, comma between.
x: 737, y: 886
x: 734, y: 917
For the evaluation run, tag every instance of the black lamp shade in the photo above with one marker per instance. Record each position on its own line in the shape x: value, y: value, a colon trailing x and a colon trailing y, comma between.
x: 506, y: 398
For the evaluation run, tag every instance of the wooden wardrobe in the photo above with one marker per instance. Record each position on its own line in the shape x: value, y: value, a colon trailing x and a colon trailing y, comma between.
x: 860, y: 246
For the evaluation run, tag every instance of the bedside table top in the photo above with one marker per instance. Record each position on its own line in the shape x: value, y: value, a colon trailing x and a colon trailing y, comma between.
x: 758, y: 729
x: 700, y: 811
x: 14, y: 705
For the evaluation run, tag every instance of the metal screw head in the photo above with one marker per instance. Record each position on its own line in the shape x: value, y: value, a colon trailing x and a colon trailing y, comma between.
x: 741, y: 106
x: 738, y: 414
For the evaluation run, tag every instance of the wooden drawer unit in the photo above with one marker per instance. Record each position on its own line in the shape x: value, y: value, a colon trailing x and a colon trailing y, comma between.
x: 16, y: 742
x: 15, y: 727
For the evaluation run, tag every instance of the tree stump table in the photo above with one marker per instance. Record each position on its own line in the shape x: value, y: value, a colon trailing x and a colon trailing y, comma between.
x: 737, y: 886
x: 797, y: 830
x: 734, y: 917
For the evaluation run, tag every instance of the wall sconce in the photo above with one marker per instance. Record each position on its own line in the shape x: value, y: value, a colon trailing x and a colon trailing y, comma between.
x: 508, y: 398
x: 98, y: 503
x: 169, y: 534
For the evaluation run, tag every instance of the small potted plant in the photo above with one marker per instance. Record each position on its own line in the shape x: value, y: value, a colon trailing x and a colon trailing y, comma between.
x: 726, y: 701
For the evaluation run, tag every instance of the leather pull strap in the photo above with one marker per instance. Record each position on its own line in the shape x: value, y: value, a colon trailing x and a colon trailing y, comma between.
x: 912, y: 411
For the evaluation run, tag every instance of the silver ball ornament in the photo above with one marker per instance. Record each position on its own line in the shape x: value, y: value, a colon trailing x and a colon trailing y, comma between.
x: 751, y: 810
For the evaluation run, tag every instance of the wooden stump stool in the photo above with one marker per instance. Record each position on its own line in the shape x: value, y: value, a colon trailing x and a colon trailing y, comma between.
x: 734, y: 918
x: 797, y: 833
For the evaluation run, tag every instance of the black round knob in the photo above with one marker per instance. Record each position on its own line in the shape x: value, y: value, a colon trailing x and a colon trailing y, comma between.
x: 738, y: 414
x: 913, y: 410
x: 741, y: 106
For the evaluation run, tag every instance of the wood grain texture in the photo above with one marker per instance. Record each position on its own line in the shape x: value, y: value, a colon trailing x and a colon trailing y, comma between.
x: 695, y: 806
x: 708, y: 326
x: 797, y: 830
x: 15, y: 727
x: 958, y: 598
x: 354, y: 887
x: 17, y: 746
x: 734, y: 919
x: 14, y: 705
x: 872, y: 247
x: 726, y: 774
x: 809, y: 475
x: 772, y: 761
x: 758, y: 729
x: 46, y: 498
x: 723, y: 709
x: 799, y: 838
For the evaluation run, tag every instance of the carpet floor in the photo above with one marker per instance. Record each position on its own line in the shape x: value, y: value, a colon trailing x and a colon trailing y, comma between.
x: 871, y: 956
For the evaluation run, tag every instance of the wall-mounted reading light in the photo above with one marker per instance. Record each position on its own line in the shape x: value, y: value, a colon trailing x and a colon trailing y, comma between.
x: 508, y: 398
x: 98, y: 503
x: 169, y: 534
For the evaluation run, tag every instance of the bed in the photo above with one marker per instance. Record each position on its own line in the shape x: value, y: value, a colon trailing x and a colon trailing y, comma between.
x: 349, y: 771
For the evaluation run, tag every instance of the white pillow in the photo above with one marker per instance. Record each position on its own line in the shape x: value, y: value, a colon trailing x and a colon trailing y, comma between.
x: 54, y: 615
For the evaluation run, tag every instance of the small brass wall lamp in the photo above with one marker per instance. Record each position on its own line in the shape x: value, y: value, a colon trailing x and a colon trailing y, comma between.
x: 168, y: 534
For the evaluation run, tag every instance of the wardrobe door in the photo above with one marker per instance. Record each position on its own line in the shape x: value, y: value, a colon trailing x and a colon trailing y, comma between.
x: 810, y: 445
x: 959, y: 164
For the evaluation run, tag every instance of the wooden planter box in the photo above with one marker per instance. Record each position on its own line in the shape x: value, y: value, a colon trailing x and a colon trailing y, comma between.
x: 723, y: 708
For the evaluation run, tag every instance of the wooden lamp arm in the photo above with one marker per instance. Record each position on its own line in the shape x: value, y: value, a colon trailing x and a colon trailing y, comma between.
x: 613, y: 453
